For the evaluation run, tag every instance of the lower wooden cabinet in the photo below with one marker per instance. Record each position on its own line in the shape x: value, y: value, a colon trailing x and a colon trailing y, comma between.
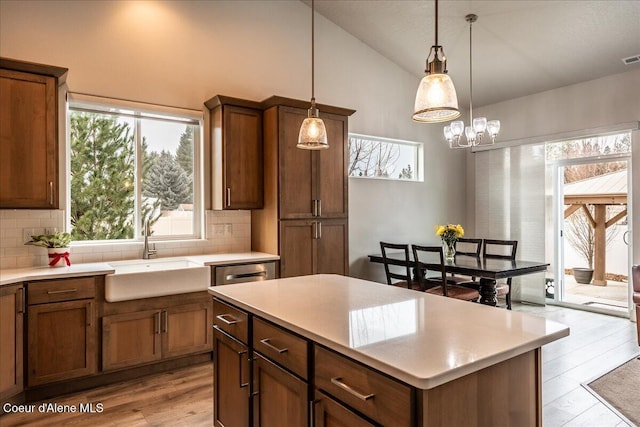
x: 231, y: 381
x: 131, y: 339
x: 279, y: 398
x: 61, y: 341
x: 330, y: 413
x: 313, y: 247
x: 11, y: 338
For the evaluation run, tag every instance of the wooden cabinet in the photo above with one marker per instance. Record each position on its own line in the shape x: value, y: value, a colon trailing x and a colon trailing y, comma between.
x: 280, y: 398
x: 330, y: 413
x: 236, y: 153
x: 313, y: 247
x: 29, y: 134
x: 12, y: 307
x: 303, y: 185
x: 62, y: 330
x: 130, y: 339
x: 140, y: 337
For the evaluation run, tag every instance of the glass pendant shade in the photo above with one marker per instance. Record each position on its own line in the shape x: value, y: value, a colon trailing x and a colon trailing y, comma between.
x: 436, y: 99
x: 448, y: 134
x: 457, y: 127
x: 493, y: 127
x: 313, y: 134
x: 480, y: 124
x: 470, y: 134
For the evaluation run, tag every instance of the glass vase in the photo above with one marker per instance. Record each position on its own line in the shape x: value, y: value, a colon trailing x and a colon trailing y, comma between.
x: 449, y: 251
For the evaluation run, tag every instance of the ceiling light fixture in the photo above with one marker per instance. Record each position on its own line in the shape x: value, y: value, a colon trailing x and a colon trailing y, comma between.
x: 436, y: 99
x: 313, y: 134
x: 477, y: 127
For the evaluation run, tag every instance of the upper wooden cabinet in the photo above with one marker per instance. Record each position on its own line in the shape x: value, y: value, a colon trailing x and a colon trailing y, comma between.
x: 313, y: 183
x: 29, y: 134
x: 236, y: 153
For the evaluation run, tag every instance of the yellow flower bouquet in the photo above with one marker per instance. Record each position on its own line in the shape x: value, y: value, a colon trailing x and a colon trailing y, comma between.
x: 449, y: 234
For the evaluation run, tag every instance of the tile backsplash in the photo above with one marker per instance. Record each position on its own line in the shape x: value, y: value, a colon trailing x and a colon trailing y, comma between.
x: 225, y: 231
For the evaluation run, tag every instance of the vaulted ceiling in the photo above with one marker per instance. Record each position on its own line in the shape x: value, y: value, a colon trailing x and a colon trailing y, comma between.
x: 520, y: 47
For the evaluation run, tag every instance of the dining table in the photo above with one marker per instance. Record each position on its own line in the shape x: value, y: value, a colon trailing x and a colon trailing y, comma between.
x: 488, y: 270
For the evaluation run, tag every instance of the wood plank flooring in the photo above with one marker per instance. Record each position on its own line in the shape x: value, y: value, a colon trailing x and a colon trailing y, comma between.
x: 184, y: 397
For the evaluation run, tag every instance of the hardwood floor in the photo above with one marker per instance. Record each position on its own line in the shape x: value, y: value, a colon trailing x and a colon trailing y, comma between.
x: 184, y: 397
x: 597, y: 343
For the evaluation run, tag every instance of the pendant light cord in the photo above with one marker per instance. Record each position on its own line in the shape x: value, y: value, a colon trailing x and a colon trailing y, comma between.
x: 436, y: 24
x: 470, y: 75
x: 313, y: 97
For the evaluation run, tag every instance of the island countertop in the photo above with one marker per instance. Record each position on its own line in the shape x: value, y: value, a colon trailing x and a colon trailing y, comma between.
x: 421, y: 339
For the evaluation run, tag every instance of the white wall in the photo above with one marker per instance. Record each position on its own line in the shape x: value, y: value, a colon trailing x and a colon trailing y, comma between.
x: 181, y: 53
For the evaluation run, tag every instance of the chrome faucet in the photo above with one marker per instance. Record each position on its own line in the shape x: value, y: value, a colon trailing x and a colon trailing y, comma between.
x: 147, y: 252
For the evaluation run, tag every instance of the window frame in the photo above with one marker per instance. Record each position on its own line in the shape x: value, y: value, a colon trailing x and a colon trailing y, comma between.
x: 139, y: 111
x: 418, y: 157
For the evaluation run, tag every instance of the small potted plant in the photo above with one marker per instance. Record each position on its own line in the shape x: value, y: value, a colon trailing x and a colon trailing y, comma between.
x: 57, y: 245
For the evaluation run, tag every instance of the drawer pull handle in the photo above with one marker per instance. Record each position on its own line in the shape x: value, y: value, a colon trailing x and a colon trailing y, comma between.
x: 228, y: 322
x: 273, y: 347
x: 62, y: 291
x: 338, y: 382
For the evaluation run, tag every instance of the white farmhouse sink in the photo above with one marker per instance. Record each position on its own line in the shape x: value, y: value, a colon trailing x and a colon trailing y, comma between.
x: 145, y: 278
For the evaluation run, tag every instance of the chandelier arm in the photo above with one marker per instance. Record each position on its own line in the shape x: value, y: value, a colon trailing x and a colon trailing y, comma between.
x: 470, y: 75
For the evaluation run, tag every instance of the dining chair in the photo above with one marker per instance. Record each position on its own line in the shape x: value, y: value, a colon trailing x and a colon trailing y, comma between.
x: 501, y: 249
x: 430, y: 259
x: 468, y: 247
x: 398, y: 275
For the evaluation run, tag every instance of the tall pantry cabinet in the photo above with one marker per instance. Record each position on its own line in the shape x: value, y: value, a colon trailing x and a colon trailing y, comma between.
x: 305, y: 214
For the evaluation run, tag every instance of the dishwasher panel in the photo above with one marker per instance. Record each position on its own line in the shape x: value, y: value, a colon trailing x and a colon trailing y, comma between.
x: 241, y: 273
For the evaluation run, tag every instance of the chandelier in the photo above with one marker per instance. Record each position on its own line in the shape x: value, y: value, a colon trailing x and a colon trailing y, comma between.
x: 475, y: 132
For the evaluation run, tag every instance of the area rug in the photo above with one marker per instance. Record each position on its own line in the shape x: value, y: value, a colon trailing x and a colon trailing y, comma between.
x: 618, y: 389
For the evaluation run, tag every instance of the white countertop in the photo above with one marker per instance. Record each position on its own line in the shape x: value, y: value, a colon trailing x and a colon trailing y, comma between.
x: 16, y: 275
x: 421, y: 339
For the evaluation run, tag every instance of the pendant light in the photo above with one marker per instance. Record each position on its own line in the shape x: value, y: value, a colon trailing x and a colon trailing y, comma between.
x: 436, y: 99
x: 313, y: 134
x: 477, y: 127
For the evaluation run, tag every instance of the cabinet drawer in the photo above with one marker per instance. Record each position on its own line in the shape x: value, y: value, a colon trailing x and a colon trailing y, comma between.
x: 281, y: 346
x: 231, y: 320
x: 60, y: 290
x: 377, y: 396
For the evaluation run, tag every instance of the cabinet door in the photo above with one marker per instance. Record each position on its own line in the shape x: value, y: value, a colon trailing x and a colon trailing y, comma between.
x: 297, y: 247
x: 280, y: 398
x: 332, y: 251
x: 331, y: 178
x: 130, y: 339
x: 28, y: 131
x: 243, y: 160
x: 297, y: 168
x: 186, y: 329
x: 329, y: 413
x: 231, y: 378
x: 62, y: 341
x: 11, y: 349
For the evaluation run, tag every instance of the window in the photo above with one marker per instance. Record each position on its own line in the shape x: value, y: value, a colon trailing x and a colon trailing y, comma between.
x: 130, y: 163
x: 376, y: 157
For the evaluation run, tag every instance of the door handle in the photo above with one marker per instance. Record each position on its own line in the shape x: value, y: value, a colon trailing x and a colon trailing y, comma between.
x: 240, y: 353
x: 228, y: 196
x: 625, y: 237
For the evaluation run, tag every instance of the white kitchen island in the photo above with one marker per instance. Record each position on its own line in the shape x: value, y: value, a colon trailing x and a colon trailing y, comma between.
x: 453, y: 362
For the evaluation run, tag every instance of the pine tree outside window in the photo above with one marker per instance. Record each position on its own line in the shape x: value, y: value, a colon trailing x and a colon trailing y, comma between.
x: 129, y: 163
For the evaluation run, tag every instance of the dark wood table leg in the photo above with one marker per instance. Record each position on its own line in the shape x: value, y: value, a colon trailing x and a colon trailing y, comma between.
x: 488, y: 293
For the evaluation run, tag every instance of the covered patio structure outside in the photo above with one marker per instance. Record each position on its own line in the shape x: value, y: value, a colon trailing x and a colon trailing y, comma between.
x: 599, y: 192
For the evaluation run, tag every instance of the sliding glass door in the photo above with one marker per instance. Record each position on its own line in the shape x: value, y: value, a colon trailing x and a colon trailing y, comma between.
x: 592, y: 213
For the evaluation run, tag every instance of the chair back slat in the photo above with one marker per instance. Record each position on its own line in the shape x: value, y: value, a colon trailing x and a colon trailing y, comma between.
x: 500, y: 249
x: 468, y: 246
x: 430, y: 258
x: 406, y: 274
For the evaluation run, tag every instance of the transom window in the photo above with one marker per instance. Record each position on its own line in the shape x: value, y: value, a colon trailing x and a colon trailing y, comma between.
x: 131, y: 163
x: 384, y: 158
